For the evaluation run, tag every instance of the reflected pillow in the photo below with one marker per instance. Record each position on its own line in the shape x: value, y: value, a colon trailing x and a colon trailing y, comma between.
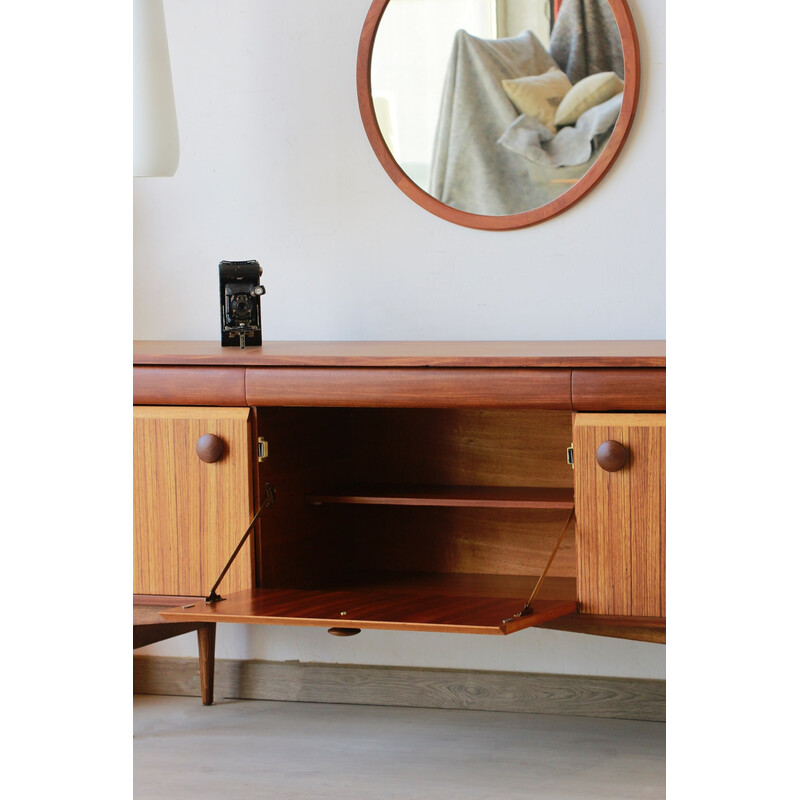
x: 591, y: 91
x: 539, y: 96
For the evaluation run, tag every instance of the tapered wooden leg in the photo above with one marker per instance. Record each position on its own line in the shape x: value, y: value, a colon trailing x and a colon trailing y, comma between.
x: 206, y: 638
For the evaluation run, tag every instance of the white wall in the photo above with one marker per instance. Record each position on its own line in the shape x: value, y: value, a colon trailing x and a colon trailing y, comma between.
x: 275, y: 166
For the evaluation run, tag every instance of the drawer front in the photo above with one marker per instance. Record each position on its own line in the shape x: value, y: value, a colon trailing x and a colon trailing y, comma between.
x: 188, y: 386
x: 619, y: 389
x: 409, y: 388
x: 189, y: 513
x: 621, y: 513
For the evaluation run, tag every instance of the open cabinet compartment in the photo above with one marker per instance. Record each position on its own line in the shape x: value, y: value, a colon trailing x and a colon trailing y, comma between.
x: 410, y: 519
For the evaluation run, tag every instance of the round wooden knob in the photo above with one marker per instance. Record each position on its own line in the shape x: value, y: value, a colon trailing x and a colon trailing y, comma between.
x: 611, y: 456
x: 210, y: 448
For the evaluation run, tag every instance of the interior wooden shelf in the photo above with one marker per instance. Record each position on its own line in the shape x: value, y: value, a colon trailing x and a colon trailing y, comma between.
x: 455, y: 603
x: 455, y: 496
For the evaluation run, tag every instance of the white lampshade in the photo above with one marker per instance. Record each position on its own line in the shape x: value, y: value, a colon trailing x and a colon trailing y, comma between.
x: 156, y: 149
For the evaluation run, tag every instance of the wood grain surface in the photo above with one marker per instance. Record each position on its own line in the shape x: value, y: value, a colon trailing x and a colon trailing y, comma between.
x: 205, y: 386
x: 619, y: 389
x: 531, y: 693
x: 378, y: 604
x: 640, y: 629
x: 546, y: 354
x: 482, y: 447
x: 408, y: 388
x: 513, y: 461
x: 621, y: 531
x: 189, y: 515
x: 449, y: 496
x: 466, y: 442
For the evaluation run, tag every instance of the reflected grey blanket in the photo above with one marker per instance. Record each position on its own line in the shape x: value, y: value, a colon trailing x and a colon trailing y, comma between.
x: 471, y: 170
x: 586, y: 40
x: 571, y: 145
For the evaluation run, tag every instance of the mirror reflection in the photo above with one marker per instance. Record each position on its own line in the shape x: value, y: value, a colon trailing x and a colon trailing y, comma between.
x: 496, y: 107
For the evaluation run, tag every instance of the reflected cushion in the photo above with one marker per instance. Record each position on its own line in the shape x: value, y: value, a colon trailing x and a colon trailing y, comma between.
x: 539, y: 96
x: 585, y: 94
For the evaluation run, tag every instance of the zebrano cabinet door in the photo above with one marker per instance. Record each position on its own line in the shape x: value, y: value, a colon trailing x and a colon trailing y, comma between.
x: 192, y: 504
x: 620, y: 466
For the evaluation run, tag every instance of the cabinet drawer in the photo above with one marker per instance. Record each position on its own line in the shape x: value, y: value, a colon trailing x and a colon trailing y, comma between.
x: 619, y: 389
x: 621, y: 514
x: 189, y: 386
x: 190, y: 513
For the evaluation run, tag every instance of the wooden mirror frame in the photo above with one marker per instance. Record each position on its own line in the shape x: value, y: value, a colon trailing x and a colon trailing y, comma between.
x: 630, y: 98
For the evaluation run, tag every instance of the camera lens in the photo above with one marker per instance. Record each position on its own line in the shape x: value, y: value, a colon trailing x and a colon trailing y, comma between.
x: 240, y: 307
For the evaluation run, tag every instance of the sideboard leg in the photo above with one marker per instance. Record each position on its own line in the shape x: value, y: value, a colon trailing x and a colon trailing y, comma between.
x: 206, y: 639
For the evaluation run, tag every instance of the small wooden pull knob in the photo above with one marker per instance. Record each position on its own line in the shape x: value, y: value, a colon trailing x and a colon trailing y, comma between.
x: 210, y: 448
x: 612, y: 456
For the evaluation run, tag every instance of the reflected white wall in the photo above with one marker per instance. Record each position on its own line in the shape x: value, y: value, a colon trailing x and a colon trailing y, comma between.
x: 409, y: 62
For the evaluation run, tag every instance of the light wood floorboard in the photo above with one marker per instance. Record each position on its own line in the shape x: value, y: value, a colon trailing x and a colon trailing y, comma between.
x: 315, y: 751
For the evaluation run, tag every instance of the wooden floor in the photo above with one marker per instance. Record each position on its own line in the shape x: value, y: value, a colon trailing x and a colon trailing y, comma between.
x: 256, y: 748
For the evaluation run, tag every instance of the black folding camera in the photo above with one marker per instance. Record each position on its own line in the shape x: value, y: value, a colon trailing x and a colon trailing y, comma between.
x: 240, y: 293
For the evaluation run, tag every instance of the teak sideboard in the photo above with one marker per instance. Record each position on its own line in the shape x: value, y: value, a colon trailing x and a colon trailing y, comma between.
x: 465, y: 487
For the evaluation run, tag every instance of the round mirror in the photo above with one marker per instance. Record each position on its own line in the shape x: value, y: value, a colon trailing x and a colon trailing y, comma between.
x: 497, y: 114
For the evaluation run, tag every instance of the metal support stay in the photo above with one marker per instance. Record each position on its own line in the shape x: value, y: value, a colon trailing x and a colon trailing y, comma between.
x: 269, y: 499
x: 527, y: 608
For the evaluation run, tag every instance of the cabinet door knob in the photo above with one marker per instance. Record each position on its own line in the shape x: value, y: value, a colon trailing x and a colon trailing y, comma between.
x: 611, y: 456
x: 210, y: 448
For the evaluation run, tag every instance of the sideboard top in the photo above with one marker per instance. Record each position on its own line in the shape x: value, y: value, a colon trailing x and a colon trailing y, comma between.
x: 610, y: 353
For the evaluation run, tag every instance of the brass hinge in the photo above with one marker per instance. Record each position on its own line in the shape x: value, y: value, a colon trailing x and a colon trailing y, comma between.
x: 263, y: 449
x: 571, y: 455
